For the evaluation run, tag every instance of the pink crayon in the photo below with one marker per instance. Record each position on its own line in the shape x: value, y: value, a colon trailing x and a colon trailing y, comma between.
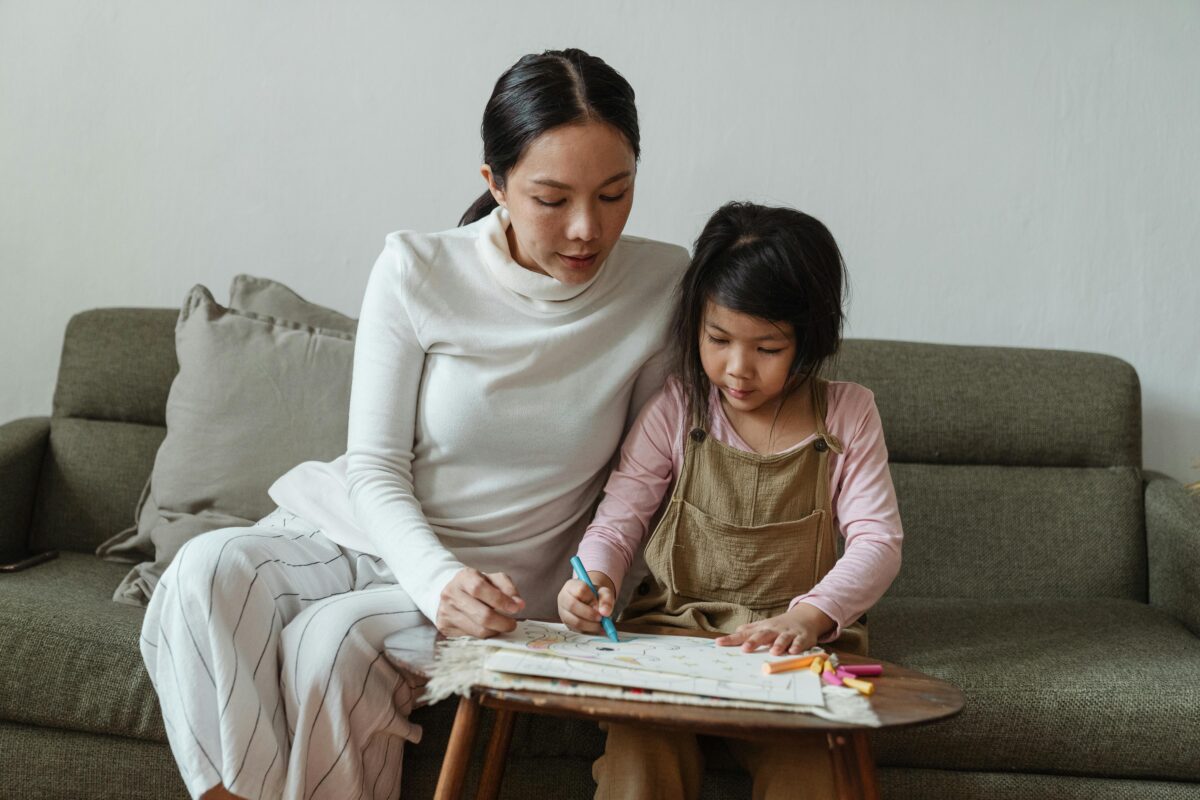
x: 860, y: 670
x: 831, y: 678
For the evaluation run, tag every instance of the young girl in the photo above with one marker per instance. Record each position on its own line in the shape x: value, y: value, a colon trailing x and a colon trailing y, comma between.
x: 767, y: 460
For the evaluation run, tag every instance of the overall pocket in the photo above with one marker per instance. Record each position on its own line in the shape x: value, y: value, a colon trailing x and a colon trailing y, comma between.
x: 759, y: 567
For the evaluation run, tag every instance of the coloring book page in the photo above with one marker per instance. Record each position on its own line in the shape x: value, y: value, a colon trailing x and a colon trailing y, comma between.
x: 691, y: 657
x: 799, y: 688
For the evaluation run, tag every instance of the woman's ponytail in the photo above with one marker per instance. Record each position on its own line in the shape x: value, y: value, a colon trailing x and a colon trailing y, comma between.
x: 483, y: 205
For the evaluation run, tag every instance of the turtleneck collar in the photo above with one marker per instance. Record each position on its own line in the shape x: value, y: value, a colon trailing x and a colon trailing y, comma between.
x: 544, y: 292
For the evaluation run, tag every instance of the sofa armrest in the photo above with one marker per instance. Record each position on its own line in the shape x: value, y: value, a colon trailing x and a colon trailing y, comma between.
x: 22, y: 446
x: 1173, y: 542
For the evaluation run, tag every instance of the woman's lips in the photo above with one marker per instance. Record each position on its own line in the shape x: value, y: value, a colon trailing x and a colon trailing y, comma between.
x: 739, y: 394
x: 577, y: 262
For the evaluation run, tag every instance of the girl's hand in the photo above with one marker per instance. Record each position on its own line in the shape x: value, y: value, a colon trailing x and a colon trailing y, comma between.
x: 579, y: 609
x: 791, y: 632
x: 476, y: 604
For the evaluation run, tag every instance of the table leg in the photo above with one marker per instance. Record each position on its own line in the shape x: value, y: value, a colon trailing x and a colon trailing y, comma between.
x: 866, y: 765
x: 853, y: 766
x: 496, y: 758
x: 458, y: 751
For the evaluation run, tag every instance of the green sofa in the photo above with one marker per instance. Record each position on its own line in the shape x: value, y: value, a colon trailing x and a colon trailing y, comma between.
x: 1044, y: 573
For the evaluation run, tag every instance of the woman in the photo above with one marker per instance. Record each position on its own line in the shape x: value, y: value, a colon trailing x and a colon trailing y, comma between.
x: 495, y: 369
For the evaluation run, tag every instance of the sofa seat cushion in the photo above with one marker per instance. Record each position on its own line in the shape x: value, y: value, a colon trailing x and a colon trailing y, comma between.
x: 68, y: 655
x: 1084, y: 687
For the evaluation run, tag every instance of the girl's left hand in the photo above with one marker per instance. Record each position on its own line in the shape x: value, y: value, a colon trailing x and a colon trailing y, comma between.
x: 791, y: 632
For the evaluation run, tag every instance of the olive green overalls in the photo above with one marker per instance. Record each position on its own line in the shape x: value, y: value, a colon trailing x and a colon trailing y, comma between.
x: 741, y: 536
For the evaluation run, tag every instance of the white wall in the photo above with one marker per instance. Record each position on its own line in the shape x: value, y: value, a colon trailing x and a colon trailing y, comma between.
x: 1019, y: 174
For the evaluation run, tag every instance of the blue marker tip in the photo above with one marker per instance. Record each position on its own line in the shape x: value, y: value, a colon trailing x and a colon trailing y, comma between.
x: 581, y: 573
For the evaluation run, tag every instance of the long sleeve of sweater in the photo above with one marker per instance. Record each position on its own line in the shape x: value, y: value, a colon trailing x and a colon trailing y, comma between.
x: 388, y: 361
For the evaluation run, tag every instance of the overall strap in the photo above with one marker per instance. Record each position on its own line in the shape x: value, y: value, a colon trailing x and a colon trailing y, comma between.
x: 820, y: 391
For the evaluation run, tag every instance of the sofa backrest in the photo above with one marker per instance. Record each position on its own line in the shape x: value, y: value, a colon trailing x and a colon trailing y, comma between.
x: 108, y: 421
x: 1017, y: 471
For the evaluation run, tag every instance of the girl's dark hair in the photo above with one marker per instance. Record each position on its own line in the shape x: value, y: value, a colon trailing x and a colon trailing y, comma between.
x: 540, y: 92
x: 777, y: 264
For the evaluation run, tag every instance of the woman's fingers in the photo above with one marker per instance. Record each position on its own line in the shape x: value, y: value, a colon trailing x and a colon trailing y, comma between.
x: 505, y: 584
x: 482, y: 620
x: 481, y: 587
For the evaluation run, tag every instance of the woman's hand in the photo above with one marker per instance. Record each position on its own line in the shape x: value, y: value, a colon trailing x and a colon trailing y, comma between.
x: 791, y: 632
x: 579, y: 609
x: 476, y: 604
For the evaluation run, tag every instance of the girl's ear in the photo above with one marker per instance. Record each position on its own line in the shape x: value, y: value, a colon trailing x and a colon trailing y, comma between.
x: 493, y: 187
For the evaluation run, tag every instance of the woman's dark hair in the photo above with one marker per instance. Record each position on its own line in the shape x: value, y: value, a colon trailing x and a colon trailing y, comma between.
x: 777, y: 264
x: 540, y: 92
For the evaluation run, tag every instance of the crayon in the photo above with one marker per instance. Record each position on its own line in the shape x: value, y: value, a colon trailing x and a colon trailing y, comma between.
x: 863, y: 670
x: 864, y: 687
x: 787, y: 665
x: 817, y: 665
x: 829, y: 676
x: 581, y: 573
x: 831, y: 679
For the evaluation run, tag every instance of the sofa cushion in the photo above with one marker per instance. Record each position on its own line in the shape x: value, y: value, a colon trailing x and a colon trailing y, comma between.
x: 254, y: 397
x: 993, y: 532
x: 117, y: 365
x: 950, y: 404
x: 91, y: 476
x: 265, y: 296
x: 68, y: 656
x: 1103, y: 688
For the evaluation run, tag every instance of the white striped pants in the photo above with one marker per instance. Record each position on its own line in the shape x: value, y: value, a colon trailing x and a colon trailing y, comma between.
x: 265, y: 645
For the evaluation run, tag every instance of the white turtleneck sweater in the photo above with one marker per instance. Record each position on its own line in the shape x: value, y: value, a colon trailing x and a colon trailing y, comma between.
x: 487, y: 402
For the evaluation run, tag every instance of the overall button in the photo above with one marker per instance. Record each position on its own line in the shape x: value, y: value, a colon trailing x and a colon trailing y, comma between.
x: 697, y: 435
x: 820, y: 445
x: 643, y: 588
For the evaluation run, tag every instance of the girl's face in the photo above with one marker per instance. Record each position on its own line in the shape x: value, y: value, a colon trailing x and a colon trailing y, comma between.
x: 745, y: 357
x: 568, y: 199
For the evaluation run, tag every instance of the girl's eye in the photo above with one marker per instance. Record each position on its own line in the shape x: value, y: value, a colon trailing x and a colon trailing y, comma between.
x: 715, y: 340
x: 548, y: 204
x: 767, y: 352
x: 614, y: 198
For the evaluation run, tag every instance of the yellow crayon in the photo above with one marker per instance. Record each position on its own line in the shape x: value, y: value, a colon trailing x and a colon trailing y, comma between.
x: 815, y: 666
x: 864, y: 687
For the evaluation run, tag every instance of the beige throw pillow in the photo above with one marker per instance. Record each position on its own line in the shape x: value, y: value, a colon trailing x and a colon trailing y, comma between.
x: 255, y: 395
x: 264, y: 296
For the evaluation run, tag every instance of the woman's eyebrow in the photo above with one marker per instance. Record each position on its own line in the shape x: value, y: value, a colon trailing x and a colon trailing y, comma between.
x: 559, y: 185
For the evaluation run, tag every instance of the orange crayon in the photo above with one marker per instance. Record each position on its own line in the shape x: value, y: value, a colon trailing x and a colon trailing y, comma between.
x: 787, y: 665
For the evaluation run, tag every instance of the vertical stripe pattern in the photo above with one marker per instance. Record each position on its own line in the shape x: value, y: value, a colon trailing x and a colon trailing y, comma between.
x: 266, y: 647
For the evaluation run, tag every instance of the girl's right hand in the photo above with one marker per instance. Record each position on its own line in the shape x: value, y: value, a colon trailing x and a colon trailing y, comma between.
x: 477, y: 604
x: 580, y: 609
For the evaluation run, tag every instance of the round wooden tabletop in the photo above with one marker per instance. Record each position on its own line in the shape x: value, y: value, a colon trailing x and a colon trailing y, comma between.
x: 902, y: 697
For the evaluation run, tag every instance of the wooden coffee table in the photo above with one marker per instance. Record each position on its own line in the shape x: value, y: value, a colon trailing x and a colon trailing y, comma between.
x: 902, y: 697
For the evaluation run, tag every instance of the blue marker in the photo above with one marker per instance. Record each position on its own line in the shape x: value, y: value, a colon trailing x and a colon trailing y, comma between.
x: 581, y: 573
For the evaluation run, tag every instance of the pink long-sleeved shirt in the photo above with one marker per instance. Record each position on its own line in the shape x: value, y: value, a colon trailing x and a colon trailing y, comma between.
x: 864, y: 501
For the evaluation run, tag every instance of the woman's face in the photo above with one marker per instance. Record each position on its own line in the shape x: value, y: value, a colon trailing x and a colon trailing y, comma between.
x: 568, y: 199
